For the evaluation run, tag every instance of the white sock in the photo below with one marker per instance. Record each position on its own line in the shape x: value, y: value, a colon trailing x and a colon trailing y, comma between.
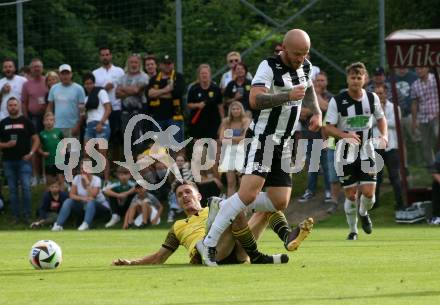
x: 366, y: 205
x: 230, y: 208
x: 350, y: 208
x: 262, y: 203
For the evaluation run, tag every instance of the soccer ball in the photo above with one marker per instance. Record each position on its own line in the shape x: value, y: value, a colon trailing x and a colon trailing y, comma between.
x: 45, y: 254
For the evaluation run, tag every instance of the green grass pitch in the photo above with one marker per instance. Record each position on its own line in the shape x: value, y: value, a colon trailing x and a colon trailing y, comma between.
x: 394, y: 265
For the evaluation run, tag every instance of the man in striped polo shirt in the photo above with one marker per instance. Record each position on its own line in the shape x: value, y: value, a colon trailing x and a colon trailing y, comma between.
x: 279, y: 87
x: 350, y: 118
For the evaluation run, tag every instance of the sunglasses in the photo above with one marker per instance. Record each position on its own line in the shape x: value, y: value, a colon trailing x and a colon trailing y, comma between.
x: 233, y: 60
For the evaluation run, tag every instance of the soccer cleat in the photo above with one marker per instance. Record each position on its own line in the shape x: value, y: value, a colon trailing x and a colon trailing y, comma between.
x: 367, y: 225
x: 270, y: 259
x: 207, y: 254
x: 83, y: 227
x: 57, y: 228
x: 114, y: 220
x: 296, y: 237
x: 214, y: 207
x: 352, y: 236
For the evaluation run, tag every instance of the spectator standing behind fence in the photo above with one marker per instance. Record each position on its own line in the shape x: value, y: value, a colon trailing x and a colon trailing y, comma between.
x: 232, y: 59
x: 425, y: 111
x: 33, y: 95
x: 390, y: 154
x: 11, y: 85
x: 50, y: 137
x: 86, y: 198
x: 205, y: 104
x: 19, y: 143
x: 50, y: 205
x: 150, y: 65
x: 233, y: 128
x: 107, y: 76
x: 379, y: 79
x: 52, y: 78
x: 67, y: 97
x: 238, y: 89
x: 404, y: 79
x: 130, y: 90
x: 119, y: 195
x: 320, y: 84
x: 165, y: 97
x: 98, y: 109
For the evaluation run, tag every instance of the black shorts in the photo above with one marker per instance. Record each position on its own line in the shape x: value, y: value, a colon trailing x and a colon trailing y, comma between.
x: 272, y: 171
x: 354, y: 175
x: 52, y: 170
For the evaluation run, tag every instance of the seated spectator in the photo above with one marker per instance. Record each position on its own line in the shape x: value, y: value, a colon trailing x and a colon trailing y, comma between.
x: 98, y: 109
x: 119, y: 195
x: 50, y: 205
x: 435, y: 220
x: 185, y: 171
x: 145, y: 207
x: 50, y: 137
x: 238, y: 89
x: 85, y: 198
x: 233, y: 128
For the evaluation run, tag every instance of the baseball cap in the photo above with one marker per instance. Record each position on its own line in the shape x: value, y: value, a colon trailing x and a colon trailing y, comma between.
x: 166, y: 59
x: 65, y: 67
x: 379, y: 71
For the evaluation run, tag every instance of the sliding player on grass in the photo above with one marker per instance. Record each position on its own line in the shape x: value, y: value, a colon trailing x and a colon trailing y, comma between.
x: 236, y: 244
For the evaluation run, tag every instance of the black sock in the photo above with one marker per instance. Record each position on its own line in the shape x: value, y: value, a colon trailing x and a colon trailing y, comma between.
x: 279, y: 225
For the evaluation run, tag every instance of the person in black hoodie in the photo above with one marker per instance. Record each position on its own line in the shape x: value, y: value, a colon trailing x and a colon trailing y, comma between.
x: 98, y: 109
x: 50, y: 205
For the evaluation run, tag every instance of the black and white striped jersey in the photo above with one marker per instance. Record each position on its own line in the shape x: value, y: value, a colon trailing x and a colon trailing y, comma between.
x: 279, y: 121
x: 354, y: 116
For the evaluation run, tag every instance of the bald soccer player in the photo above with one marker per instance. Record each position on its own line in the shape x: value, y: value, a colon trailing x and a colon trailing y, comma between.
x: 281, y: 84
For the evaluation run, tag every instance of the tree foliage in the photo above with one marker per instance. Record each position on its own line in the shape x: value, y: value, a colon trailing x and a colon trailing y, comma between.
x: 71, y: 31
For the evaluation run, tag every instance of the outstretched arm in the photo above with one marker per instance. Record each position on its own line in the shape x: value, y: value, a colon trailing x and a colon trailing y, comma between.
x: 158, y: 257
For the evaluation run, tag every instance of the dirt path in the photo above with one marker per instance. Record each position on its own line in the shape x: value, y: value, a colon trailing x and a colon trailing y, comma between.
x: 315, y: 208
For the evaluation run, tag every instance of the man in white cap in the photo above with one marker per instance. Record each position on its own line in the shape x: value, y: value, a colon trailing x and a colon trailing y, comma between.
x: 68, y: 99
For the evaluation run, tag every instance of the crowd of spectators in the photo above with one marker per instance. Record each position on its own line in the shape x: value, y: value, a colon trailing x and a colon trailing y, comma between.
x: 38, y: 111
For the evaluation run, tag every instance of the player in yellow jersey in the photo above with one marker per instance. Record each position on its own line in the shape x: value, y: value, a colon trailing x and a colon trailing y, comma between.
x: 235, y: 246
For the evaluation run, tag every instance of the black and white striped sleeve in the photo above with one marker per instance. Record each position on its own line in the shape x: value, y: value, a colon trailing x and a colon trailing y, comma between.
x: 264, y: 76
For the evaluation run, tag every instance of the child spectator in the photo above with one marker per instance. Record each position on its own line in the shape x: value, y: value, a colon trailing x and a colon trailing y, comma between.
x: 119, y: 195
x: 144, y: 205
x: 50, y: 205
x: 50, y: 137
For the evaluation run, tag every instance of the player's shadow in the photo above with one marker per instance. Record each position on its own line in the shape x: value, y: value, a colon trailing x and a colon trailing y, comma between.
x: 108, y: 268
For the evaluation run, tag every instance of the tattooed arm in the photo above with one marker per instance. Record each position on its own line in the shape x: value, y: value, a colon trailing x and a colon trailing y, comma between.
x: 260, y: 99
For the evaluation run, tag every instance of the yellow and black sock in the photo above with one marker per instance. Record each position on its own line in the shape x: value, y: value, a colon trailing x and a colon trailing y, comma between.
x: 249, y: 244
x: 279, y: 225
